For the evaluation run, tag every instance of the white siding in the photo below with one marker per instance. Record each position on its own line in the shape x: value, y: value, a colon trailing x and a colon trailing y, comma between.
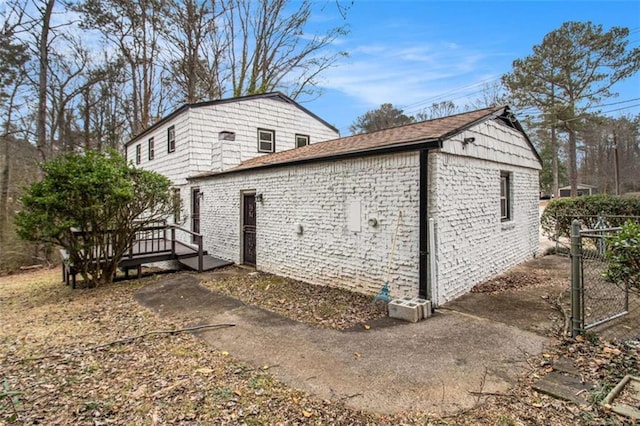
x: 173, y: 165
x: 244, y: 119
x: 493, y: 142
x: 319, y: 197
x: 198, y: 148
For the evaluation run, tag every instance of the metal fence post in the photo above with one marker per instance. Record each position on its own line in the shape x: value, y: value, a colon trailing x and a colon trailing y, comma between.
x: 577, y: 313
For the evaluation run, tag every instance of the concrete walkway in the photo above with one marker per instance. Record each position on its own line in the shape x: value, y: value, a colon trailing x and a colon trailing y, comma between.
x: 432, y: 366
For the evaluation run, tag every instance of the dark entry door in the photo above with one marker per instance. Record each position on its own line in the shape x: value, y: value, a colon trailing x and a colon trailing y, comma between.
x: 249, y: 229
x: 195, y: 210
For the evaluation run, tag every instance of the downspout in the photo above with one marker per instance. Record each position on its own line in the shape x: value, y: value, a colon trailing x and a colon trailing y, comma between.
x: 424, y: 290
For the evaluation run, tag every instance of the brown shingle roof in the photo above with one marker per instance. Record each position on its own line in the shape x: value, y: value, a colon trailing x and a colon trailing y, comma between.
x: 426, y: 131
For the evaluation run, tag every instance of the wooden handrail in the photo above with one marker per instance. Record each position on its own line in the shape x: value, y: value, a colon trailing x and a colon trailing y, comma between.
x: 155, y: 235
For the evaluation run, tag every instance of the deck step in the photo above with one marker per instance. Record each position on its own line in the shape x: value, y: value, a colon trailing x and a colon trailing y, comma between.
x: 208, y: 263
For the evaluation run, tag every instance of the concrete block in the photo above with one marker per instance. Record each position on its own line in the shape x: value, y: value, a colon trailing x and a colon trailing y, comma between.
x: 404, y: 310
x: 424, y: 306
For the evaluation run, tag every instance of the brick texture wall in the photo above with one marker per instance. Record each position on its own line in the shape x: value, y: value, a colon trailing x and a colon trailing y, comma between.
x: 338, y: 246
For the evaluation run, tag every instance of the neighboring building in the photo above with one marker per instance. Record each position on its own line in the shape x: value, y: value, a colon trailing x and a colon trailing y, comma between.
x: 462, y: 191
x: 218, y: 135
x: 583, y: 189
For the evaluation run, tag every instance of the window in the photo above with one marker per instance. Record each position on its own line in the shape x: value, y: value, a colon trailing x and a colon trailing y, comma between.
x: 177, y: 205
x: 505, y: 196
x: 151, y: 148
x: 302, y: 140
x: 171, y: 139
x: 138, y: 154
x: 266, y: 140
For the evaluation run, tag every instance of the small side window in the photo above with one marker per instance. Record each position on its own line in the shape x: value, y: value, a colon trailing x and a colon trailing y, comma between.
x: 505, y: 196
x: 302, y: 140
x: 266, y: 140
x: 138, y: 154
x: 151, y: 149
x: 171, y: 139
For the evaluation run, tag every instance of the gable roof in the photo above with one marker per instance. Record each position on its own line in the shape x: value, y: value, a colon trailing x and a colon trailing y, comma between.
x: 271, y: 95
x: 422, y: 135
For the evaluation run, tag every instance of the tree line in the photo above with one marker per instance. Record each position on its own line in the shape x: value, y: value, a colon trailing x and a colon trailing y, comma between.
x: 89, y: 74
x: 566, y: 78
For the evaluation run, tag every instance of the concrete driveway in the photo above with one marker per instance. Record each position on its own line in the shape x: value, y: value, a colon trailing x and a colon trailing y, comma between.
x: 432, y: 366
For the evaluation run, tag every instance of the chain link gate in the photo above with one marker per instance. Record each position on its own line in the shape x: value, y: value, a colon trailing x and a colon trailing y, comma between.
x: 594, y: 300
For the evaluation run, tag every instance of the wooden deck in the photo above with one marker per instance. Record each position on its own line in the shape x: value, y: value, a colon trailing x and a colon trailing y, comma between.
x: 156, y: 244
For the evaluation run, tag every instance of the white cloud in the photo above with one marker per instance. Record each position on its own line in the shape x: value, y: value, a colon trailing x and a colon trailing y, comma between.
x: 404, y: 74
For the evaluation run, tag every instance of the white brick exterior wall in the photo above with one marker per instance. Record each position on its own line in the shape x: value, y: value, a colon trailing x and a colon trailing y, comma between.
x: 472, y: 243
x: 318, y: 197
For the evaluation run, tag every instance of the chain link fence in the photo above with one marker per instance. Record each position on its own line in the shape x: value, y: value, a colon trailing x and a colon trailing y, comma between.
x: 609, y: 309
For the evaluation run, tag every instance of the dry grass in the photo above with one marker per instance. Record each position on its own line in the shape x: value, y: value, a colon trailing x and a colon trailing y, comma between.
x: 177, y: 379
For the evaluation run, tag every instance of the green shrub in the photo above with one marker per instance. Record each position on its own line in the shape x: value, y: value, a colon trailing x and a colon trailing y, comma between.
x: 100, y: 194
x: 557, y: 217
x: 623, y: 256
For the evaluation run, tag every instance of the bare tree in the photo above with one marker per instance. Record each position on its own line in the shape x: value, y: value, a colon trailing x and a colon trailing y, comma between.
x: 437, y: 110
x: 135, y: 28
x: 196, y: 50
x: 269, y: 48
x: 45, y: 8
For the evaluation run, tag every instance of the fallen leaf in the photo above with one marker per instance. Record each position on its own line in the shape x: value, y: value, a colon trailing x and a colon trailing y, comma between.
x: 366, y: 327
x: 204, y: 371
x: 612, y: 351
x: 139, y: 392
x: 237, y: 393
x: 306, y: 413
x: 265, y: 367
x: 224, y: 353
x: 295, y: 399
x: 579, y: 338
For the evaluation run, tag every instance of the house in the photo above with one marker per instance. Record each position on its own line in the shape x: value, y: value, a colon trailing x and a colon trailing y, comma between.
x: 583, y: 189
x: 461, y: 192
x: 218, y: 135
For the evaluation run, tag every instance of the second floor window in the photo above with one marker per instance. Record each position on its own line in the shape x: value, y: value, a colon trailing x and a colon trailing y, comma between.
x: 302, y: 140
x: 151, y: 147
x: 138, y: 154
x: 266, y: 140
x: 171, y: 139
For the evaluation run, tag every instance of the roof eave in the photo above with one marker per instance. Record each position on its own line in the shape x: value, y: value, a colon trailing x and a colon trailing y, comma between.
x: 185, y: 107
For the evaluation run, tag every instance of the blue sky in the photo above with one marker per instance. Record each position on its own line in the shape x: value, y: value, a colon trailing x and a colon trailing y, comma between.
x: 413, y: 53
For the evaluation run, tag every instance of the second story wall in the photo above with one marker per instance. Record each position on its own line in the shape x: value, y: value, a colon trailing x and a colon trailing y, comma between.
x: 226, y: 134
x: 220, y: 135
x: 152, y: 150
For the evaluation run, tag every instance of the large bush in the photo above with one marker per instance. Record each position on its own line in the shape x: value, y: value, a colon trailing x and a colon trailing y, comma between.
x: 102, y: 196
x: 558, y: 215
x: 623, y: 256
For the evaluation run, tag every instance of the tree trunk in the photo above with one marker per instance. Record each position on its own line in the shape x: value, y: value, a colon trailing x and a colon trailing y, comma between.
x: 554, y: 162
x: 4, y: 191
x: 573, y: 163
x: 43, y: 45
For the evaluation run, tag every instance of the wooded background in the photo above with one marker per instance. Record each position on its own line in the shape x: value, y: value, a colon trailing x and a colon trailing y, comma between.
x: 90, y: 74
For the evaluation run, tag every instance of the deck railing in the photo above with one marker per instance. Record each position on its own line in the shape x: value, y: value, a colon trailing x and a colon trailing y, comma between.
x: 152, y: 240
x: 196, y: 237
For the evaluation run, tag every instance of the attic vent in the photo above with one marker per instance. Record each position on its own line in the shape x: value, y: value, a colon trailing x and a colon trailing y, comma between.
x: 226, y: 136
